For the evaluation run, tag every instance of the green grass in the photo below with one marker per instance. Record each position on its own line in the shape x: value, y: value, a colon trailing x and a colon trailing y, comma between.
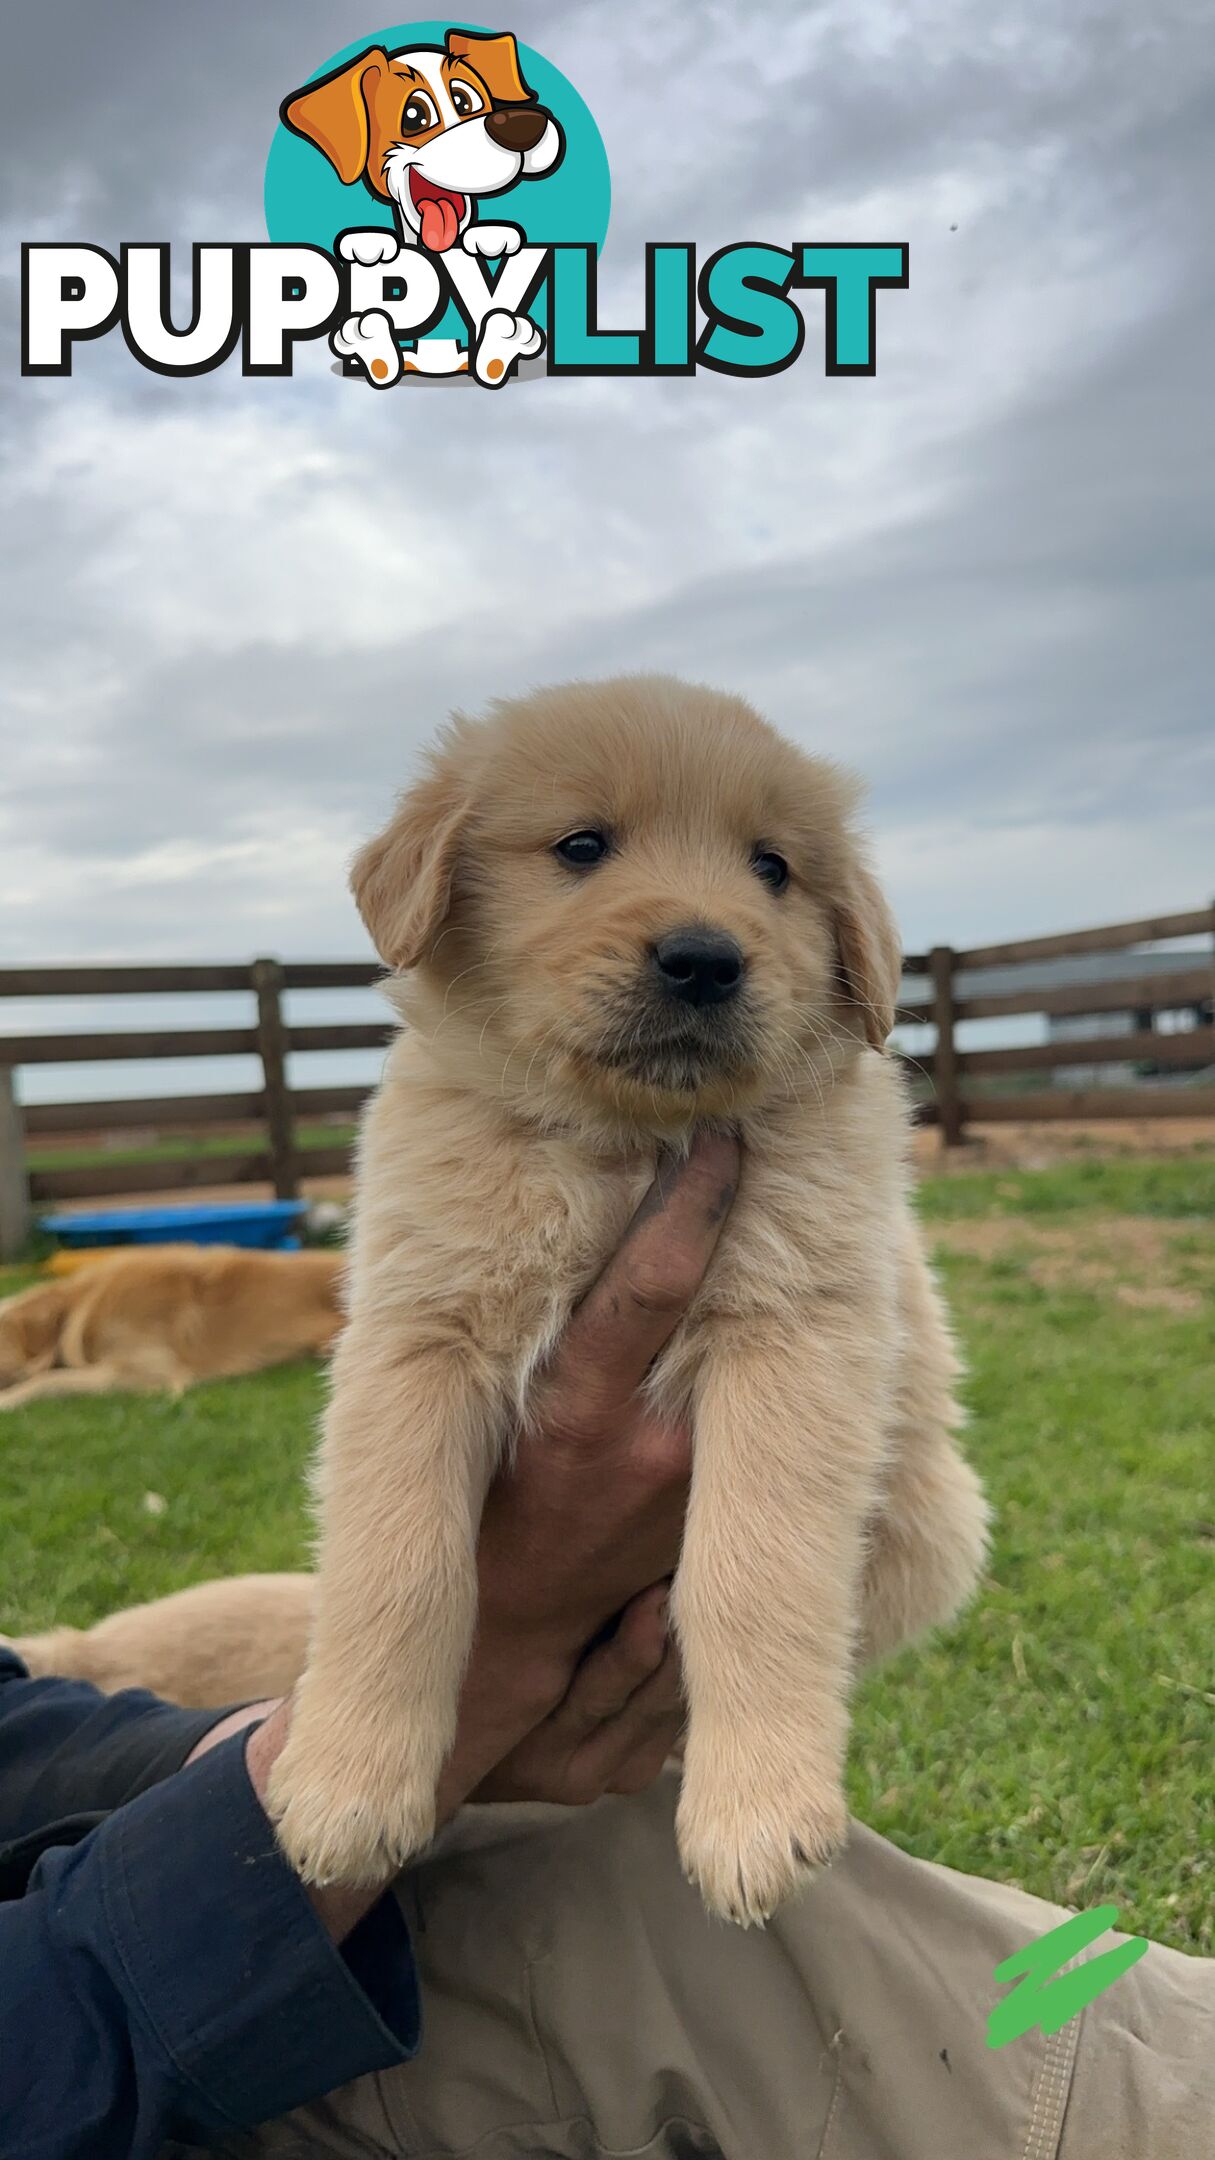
x: 180, y: 1147
x: 1172, y: 1186
x: 76, y: 1536
x: 1060, y: 1736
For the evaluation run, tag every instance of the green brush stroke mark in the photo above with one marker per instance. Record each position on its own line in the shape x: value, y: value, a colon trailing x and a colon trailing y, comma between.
x: 1048, y: 1998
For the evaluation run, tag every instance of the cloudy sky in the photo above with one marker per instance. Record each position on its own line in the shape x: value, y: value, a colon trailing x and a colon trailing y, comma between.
x: 233, y: 609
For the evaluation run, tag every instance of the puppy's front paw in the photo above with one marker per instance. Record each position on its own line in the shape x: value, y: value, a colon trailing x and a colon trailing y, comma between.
x: 490, y: 241
x: 747, y: 1847
x: 346, y: 1815
x: 377, y: 245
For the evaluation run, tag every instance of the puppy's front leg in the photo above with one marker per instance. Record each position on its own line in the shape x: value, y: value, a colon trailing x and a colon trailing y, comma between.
x: 408, y: 1450
x: 784, y: 1464
x: 490, y: 241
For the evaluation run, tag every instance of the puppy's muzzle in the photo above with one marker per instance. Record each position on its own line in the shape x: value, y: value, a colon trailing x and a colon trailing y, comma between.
x: 698, y: 967
x: 513, y: 128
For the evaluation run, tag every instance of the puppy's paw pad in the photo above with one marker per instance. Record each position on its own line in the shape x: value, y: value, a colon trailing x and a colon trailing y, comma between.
x: 369, y: 340
x: 378, y: 245
x: 505, y: 339
x: 746, y: 1860
x: 340, y: 1829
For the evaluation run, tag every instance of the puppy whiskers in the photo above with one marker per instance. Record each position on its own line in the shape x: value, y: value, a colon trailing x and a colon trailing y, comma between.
x: 519, y: 1045
x: 488, y: 1017
x: 787, y: 1041
x: 473, y: 969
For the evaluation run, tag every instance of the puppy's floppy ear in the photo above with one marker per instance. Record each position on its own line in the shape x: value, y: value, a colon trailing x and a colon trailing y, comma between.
x: 335, y: 115
x: 496, y: 60
x: 870, y: 953
x: 402, y: 879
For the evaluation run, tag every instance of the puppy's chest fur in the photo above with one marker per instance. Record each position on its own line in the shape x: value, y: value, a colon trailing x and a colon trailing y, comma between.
x: 470, y: 1227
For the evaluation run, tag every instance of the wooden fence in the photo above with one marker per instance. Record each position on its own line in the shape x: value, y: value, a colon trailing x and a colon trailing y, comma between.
x: 1189, y: 987
x: 951, y: 1081
x: 275, y: 1107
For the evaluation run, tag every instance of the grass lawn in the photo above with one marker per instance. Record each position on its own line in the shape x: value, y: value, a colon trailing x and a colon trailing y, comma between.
x: 1062, y: 1736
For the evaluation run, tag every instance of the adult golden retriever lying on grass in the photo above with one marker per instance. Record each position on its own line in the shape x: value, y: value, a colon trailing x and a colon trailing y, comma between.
x: 164, y: 1316
x: 618, y: 911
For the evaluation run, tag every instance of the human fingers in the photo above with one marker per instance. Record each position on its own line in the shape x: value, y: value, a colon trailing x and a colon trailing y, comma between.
x: 627, y: 1753
x: 612, y: 1673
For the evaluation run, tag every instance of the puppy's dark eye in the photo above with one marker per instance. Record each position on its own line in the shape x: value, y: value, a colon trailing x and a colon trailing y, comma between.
x: 419, y: 113
x: 465, y: 100
x: 772, y: 868
x: 582, y: 850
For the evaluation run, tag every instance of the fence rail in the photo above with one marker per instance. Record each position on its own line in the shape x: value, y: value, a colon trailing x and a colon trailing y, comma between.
x: 264, y: 1124
x: 1138, y: 993
x: 1109, y: 937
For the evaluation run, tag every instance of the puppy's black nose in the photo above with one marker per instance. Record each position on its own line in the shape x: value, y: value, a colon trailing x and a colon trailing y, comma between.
x: 515, y: 127
x: 700, y: 967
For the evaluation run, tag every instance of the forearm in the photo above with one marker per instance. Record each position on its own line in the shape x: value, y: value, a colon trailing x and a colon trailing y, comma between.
x: 169, y: 1978
x: 67, y: 1750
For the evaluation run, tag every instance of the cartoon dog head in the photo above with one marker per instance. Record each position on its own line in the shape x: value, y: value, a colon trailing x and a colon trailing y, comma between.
x: 632, y: 901
x: 428, y: 129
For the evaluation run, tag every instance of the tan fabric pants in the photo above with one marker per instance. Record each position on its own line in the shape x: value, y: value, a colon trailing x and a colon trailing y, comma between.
x: 577, y: 2003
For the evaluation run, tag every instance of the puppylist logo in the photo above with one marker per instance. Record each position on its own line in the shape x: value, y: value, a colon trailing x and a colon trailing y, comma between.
x: 436, y: 201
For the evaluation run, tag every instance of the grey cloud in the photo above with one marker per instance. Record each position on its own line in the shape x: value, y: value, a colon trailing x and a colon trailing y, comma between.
x: 1026, y: 649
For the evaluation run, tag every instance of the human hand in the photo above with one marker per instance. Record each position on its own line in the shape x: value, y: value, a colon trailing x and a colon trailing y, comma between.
x: 587, y: 1519
x: 612, y: 1731
x: 581, y: 1529
x: 616, y: 1725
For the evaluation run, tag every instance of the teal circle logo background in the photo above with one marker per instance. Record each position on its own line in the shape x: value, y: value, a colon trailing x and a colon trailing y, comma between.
x: 307, y: 203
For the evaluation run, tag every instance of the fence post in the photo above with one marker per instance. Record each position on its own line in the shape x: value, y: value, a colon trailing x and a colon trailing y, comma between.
x: 945, y: 1056
x: 14, y: 1184
x: 267, y: 978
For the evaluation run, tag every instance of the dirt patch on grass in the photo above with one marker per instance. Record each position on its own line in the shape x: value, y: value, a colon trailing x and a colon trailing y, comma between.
x: 1140, y: 1262
x: 1162, y: 1298
x: 1113, y: 1241
x: 1039, y: 1146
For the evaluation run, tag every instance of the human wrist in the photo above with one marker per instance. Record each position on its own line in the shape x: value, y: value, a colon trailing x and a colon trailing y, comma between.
x: 515, y: 1680
x: 233, y: 1721
x: 338, y: 1906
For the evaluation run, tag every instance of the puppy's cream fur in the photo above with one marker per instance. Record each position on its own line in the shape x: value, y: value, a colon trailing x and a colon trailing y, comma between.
x: 164, y: 1316
x: 522, y: 1114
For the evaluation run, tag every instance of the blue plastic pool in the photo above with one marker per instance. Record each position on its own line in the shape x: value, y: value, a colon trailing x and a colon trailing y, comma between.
x: 259, y: 1223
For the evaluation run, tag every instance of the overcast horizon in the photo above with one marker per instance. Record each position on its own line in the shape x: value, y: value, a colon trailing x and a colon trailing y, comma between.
x: 233, y: 609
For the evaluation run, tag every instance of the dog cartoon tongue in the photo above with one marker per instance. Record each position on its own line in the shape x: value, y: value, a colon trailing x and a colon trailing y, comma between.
x: 440, y: 211
x: 439, y: 224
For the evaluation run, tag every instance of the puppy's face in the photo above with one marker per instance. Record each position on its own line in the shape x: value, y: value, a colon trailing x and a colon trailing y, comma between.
x: 633, y: 899
x: 430, y: 129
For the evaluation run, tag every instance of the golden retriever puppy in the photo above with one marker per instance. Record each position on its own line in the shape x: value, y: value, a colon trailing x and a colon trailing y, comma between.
x: 213, y: 1644
x: 616, y: 911
x: 164, y: 1316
